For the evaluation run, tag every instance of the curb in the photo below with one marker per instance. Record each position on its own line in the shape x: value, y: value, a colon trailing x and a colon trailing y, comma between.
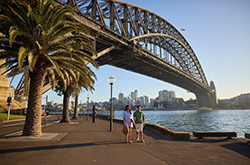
x: 162, y: 129
x: 12, y: 120
x: 18, y: 119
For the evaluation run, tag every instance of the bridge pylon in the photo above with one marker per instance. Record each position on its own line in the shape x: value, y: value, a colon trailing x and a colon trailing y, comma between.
x: 214, y: 98
x: 206, y: 98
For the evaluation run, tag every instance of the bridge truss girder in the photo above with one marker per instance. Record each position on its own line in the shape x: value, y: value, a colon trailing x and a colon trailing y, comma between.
x: 126, y: 26
x: 146, y: 63
x: 131, y: 21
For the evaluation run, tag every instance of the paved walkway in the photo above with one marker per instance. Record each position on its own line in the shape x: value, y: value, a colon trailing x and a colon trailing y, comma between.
x: 84, y: 142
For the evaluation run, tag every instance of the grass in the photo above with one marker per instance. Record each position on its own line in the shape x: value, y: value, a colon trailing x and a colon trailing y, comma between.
x: 3, y: 116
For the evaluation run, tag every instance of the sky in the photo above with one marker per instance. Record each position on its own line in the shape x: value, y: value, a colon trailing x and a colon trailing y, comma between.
x: 218, y: 32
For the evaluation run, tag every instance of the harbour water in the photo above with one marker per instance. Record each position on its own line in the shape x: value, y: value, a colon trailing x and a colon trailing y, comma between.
x: 198, y: 120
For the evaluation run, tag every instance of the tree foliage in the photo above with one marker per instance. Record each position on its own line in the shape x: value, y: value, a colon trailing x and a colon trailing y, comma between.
x: 47, y: 39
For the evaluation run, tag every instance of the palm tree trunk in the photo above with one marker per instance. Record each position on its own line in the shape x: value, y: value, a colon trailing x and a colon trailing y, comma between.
x: 65, y: 116
x: 76, y: 107
x: 32, y: 126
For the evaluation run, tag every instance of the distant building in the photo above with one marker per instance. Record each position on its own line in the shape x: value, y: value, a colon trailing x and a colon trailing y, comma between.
x: 151, y: 101
x: 141, y: 100
x: 171, y: 96
x: 121, y: 97
x: 163, y: 96
x: 132, y: 95
x: 114, y: 100
x: 136, y: 94
x: 167, y: 96
x: 179, y: 101
x: 51, y: 103
x: 126, y: 100
x: 144, y: 100
x: 242, y: 99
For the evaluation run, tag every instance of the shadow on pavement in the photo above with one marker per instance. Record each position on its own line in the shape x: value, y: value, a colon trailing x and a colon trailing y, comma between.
x: 160, y: 136
x: 53, y: 147
x: 241, y: 148
x: 156, y: 134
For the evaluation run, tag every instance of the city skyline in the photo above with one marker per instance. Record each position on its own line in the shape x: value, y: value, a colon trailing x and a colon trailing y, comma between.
x: 163, y: 95
x: 218, y: 36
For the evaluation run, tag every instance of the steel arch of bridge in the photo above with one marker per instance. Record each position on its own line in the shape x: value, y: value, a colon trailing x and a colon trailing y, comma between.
x: 132, y: 21
x: 145, y: 28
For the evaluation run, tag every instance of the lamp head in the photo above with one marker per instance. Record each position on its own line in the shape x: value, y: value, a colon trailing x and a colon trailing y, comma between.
x: 111, y: 80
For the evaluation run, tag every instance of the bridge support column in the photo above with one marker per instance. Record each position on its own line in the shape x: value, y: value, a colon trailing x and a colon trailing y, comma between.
x: 207, y: 99
x: 214, y: 98
x: 204, y: 99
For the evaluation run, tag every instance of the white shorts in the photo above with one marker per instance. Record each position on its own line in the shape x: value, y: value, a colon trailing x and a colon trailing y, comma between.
x: 139, y: 127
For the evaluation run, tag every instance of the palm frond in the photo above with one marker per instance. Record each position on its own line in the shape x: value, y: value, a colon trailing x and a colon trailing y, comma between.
x: 13, y: 32
x: 32, y: 60
x: 23, y: 52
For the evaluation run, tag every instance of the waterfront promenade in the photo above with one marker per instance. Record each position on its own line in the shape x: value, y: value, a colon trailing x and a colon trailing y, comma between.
x: 84, y: 142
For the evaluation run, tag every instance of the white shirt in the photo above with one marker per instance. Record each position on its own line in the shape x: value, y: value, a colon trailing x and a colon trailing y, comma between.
x: 126, y: 115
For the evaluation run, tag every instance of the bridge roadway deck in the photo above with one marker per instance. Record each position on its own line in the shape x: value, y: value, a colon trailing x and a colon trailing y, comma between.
x: 84, y: 142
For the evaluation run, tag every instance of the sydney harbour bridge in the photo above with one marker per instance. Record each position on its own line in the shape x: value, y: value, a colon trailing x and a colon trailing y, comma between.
x: 136, y: 39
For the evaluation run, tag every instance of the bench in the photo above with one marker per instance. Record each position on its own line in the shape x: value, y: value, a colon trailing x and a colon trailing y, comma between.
x: 247, y: 135
x: 201, y: 134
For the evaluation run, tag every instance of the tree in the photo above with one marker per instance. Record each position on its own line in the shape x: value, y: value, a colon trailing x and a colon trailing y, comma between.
x: 74, y: 87
x: 75, y: 94
x: 46, y: 38
x: 83, y: 79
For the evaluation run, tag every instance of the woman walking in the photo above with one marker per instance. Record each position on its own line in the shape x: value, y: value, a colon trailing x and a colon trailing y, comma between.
x: 128, y: 122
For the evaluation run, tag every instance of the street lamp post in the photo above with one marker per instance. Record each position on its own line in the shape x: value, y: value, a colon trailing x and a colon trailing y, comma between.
x: 88, y: 106
x: 111, y: 81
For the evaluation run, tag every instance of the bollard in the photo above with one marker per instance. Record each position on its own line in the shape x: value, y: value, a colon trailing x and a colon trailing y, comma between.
x: 93, y: 115
x: 45, y: 119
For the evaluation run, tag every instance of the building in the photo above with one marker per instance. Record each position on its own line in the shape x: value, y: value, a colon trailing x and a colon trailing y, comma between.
x: 171, y: 96
x: 163, y: 96
x: 136, y: 94
x: 51, y: 104
x: 126, y: 100
x: 167, y: 96
x: 151, y: 101
x: 132, y: 95
x: 114, y: 100
x: 146, y: 100
x: 121, y: 98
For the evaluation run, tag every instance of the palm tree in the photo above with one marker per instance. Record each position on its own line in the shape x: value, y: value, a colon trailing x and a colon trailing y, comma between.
x: 76, y: 91
x: 84, y: 79
x: 45, y: 37
x: 75, y: 94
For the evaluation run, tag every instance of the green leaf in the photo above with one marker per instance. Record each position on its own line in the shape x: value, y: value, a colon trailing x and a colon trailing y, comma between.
x: 39, y: 46
x: 4, y: 18
x: 17, y: 14
x: 55, y: 64
x: 13, y: 32
x: 29, y: 10
x: 51, y: 75
x: 23, y: 52
x: 32, y: 61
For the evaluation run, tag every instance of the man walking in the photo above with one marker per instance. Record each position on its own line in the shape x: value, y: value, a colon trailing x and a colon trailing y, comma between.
x: 139, y: 119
